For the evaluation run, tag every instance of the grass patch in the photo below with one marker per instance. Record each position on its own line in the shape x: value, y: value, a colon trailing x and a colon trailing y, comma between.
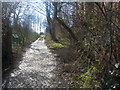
x: 52, y: 45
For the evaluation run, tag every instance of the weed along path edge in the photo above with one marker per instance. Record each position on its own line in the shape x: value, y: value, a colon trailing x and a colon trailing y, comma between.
x: 37, y: 69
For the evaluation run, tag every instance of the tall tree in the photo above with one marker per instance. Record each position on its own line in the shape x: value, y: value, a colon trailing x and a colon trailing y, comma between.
x: 7, y: 10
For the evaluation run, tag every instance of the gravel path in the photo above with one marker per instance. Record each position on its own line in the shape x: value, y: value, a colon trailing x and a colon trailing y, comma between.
x: 36, y: 70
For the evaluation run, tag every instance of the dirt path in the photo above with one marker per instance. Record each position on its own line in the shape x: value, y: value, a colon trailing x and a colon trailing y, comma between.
x: 36, y: 70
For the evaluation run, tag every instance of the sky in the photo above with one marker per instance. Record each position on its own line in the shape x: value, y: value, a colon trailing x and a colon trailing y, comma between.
x: 39, y: 10
x: 36, y: 9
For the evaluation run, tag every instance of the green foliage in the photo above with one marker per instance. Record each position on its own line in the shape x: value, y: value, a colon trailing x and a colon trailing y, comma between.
x: 88, y: 78
x: 86, y: 43
x: 52, y: 44
x: 56, y: 45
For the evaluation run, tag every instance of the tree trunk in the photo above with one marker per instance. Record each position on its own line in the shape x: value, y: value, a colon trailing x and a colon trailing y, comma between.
x: 6, y: 44
x: 51, y: 24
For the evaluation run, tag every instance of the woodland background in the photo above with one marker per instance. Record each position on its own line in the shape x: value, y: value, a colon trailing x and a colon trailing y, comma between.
x: 86, y: 36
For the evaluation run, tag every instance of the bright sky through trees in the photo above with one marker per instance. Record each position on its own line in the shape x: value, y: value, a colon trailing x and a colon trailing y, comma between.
x: 37, y: 11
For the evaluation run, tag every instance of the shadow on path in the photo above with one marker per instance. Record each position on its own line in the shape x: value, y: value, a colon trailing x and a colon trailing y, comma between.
x: 36, y: 69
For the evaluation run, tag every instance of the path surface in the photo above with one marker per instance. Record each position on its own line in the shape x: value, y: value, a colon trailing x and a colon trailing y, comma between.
x: 36, y: 70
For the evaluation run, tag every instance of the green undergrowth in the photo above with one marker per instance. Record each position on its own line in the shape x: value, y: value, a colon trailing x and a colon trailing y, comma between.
x: 52, y: 45
x: 88, y: 78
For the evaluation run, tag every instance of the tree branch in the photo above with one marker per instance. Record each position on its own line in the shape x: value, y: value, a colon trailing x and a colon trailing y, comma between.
x: 68, y: 29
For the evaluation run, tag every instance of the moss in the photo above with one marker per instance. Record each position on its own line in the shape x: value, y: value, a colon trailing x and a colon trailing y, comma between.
x: 56, y: 45
x: 51, y: 44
